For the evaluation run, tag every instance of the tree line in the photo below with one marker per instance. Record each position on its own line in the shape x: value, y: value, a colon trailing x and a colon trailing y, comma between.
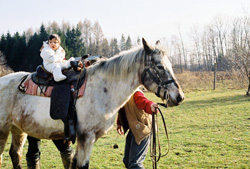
x: 222, y: 45
x: 22, y: 51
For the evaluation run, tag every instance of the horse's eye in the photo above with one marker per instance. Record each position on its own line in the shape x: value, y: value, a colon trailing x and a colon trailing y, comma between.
x: 160, y: 67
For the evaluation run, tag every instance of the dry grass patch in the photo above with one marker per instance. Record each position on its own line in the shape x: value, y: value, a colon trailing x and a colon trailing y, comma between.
x: 198, y: 81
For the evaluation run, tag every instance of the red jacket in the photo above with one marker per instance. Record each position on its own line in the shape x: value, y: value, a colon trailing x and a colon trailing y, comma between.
x: 141, y: 102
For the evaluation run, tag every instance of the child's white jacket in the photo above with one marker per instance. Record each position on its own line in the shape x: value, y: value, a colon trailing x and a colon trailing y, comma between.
x: 51, y: 58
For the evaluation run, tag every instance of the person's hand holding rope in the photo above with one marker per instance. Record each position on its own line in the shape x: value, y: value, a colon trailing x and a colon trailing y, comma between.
x: 119, y: 130
x: 154, y: 107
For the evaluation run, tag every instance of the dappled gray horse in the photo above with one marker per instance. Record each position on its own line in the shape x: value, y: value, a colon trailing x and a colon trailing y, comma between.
x: 110, y: 83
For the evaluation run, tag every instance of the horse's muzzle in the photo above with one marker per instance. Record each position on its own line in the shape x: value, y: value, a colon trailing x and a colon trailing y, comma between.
x: 175, y: 102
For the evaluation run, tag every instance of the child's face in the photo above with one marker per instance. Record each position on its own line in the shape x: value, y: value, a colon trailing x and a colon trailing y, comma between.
x: 54, y: 44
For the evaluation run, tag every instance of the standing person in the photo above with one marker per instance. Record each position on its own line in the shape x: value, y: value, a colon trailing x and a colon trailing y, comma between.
x: 136, y: 116
x: 33, y: 154
x: 54, y: 57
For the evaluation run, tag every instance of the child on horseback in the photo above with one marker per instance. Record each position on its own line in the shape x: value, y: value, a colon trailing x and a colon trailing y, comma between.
x: 54, y: 57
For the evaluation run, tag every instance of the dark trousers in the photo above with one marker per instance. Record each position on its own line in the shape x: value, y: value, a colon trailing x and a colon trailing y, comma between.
x: 135, y: 154
x: 34, y: 147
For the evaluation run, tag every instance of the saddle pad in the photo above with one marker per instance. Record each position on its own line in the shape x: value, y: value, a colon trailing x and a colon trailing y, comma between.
x: 31, y: 88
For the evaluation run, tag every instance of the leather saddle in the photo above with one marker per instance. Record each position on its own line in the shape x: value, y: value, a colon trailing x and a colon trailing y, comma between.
x: 63, y: 96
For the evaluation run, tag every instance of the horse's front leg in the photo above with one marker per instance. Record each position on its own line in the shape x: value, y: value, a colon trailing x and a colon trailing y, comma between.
x: 85, y: 142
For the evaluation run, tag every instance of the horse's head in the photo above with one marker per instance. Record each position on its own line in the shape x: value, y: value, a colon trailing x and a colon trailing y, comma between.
x: 158, y: 75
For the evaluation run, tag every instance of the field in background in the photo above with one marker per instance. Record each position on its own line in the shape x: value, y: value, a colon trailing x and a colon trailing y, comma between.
x: 210, y: 129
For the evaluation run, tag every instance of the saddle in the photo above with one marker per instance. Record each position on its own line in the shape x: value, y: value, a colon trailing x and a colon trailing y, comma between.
x: 63, y: 94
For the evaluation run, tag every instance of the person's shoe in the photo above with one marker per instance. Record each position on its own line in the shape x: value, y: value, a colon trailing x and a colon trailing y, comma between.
x: 69, y: 131
x: 33, y: 164
x: 67, y: 158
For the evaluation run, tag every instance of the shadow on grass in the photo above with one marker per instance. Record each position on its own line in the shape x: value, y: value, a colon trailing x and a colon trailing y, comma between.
x: 215, y: 101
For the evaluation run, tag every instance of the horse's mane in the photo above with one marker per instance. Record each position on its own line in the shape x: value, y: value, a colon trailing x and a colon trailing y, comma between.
x: 121, y: 64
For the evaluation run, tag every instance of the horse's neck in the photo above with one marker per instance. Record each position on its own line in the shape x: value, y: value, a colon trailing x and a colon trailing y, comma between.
x: 122, y: 88
x: 117, y: 87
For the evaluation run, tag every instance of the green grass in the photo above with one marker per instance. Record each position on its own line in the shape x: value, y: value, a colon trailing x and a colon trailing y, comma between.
x: 210, y: 129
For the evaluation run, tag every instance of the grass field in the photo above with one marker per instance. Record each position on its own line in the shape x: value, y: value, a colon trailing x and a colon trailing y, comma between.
x: 211, y: 129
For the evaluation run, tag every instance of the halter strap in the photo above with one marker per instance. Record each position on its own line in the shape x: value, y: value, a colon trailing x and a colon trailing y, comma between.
x: 154, y: 74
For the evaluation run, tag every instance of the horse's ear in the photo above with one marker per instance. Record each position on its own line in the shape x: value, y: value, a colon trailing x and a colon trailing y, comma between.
x: 87, y: 63
x: 85, y: 56
x: 147, y: 48
x: 157, y: 42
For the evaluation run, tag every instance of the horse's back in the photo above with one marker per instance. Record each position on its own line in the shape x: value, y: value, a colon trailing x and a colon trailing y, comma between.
x: 12, y: 78
x: 14, y: 75
x: 8, y: 90
x: 10, y: 82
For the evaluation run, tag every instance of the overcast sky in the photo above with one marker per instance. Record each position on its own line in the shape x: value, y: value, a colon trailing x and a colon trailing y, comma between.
x: 151, y: 19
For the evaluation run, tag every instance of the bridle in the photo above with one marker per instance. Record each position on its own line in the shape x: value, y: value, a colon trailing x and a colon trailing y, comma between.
x: 150, y: 68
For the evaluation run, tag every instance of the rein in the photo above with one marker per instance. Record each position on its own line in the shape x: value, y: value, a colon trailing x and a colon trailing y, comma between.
x: 156, y: 139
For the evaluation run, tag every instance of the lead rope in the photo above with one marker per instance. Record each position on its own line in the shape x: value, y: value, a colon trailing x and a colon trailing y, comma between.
x: 155, y: 133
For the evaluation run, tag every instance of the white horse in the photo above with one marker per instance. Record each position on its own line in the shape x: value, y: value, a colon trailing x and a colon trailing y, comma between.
x: 109, y: 85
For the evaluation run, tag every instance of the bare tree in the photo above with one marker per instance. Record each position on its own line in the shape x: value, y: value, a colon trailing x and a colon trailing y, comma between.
x: 240, y: 53
x: 65, y: 26
x: 98, y: 36
x: 176, y: 53
x: 52, y: 27
x: 197, y: 47
x: 86, y: 32
x: 221, y: 28
x: 29, y: 33
x: 183, y: 49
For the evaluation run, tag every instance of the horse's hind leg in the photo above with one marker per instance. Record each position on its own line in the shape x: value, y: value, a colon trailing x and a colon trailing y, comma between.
x: 16, y: 149
x: 3, y: 140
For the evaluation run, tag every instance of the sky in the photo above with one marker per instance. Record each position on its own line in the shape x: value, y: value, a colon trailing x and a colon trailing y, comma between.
x: 151, y: 19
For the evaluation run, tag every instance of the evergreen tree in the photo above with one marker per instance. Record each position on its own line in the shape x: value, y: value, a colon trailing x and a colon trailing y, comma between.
x: 114, y: 47
x: 17, y: 53
x: 123, y: 43
x: 3, y: 43
x: 128, y: 43
x: 74, y: 43
x: 105, y: 48
x: 63, y: 41
x: 32, y: 54
x: 138, y: 41
x: 43, y: 36
x: 8, y: 47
